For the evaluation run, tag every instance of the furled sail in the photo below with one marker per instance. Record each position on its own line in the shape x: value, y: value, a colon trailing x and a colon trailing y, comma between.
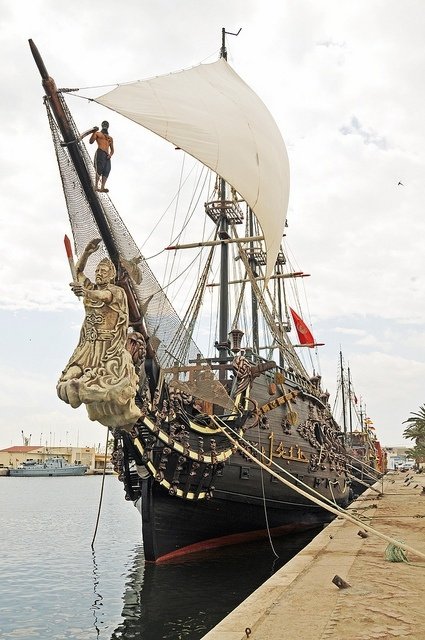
x: 211, y: 113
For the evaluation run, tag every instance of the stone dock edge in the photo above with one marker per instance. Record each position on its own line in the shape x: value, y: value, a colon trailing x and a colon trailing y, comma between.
x: 300, y: 601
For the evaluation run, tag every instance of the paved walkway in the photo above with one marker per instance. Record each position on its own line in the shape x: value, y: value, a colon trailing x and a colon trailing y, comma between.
x: 385, y: 600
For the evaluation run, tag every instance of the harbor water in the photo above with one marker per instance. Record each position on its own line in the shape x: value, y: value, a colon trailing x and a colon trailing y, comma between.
x: 53, y: 585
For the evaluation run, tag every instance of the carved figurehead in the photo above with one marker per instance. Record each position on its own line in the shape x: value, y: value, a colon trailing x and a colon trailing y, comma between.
x: 100, y: 372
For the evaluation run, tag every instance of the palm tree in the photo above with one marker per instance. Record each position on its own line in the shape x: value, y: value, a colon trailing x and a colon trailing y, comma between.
x: 417, y: 453
x: 416, y: 429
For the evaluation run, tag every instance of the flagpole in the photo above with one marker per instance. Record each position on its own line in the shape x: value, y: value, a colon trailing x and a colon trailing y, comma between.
x: 310, y: 346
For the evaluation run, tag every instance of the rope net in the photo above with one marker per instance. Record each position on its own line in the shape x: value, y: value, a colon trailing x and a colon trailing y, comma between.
x: 162, y: 321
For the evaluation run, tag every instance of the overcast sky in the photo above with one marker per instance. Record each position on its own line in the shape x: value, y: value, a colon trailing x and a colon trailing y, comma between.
x: 345, y: 83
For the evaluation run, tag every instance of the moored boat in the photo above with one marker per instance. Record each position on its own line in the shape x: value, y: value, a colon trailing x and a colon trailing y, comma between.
x: 366, y: 461
x: 51, y: 467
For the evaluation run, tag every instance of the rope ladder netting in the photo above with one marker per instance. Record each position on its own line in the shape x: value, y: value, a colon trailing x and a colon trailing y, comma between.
x: 161, y: 319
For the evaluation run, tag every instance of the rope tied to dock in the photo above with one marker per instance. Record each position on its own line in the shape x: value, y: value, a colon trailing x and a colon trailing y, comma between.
x: 101, y: 491
x: 342, y: 513
x: 266, y: 517
x: 395, y: 553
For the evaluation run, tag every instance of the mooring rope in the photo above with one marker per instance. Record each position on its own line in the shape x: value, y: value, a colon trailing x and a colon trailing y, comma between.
x: 320, y: 502
x: 374, y: 477
x: 265, y: 507
x: 331, y: 490
x: 364, y: 464
x: 395, y: 553
x: 287, y: 473
x: 365, y: 484
x: 101, y: 490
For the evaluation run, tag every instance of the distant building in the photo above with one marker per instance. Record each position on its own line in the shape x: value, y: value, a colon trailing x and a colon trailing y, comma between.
x: 397, y: 455
x: 12, y: 457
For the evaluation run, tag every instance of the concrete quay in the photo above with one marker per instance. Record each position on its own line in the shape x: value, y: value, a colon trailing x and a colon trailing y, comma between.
x: 385, y: 599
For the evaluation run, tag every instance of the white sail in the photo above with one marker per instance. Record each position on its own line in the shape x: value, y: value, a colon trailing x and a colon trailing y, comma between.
x: 211, y: 113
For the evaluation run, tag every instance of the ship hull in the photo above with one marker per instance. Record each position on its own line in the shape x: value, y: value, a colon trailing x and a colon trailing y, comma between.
x: 174, y: 528
x: 46, y: 473
x: 192, y: 499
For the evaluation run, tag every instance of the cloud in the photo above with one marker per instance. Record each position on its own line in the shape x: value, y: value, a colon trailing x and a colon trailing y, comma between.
x: 331, y: 43
x: 350, y: 331
x: 368, y: 136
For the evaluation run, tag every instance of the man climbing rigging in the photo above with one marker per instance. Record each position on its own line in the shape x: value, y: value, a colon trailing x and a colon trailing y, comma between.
x: 102, y: 158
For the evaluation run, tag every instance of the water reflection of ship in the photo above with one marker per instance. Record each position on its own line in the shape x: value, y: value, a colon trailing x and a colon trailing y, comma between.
x: 186, y: 599
x: 98, y: 598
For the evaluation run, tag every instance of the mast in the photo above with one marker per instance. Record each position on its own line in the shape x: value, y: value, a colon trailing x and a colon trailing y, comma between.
x: 280, y: 312
x: 71, y: 143
x: 222, y: 344
x: 350, y: 418
x: 224, y: 280
x: 344, y: 420
x: 67, y: 132
x: 254, y: 302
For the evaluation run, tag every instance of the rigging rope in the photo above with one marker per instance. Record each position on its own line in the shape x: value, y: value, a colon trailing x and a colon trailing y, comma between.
x: 332, y: 493
x: 123, y: 84
x: 165, y: 212
x: 283, y: 343
x: 173, y: 255
x: 180, y: 343
x: 306, y: 353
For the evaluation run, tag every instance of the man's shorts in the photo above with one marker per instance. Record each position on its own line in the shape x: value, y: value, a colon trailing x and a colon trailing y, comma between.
x: 102, y: 163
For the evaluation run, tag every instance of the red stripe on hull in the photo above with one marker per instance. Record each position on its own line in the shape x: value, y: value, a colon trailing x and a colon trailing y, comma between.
x: 226, y: 541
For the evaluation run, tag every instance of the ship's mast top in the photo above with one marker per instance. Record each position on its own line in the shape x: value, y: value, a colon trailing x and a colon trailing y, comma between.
x: 223, y: 50
x: 38, y: 60
x: 222, y: 344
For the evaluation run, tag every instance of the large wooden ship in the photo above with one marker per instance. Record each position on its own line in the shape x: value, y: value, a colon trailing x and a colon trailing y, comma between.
x: 212, y: 449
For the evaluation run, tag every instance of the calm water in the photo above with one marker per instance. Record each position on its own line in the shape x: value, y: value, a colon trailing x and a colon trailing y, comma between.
x: 53, y: 586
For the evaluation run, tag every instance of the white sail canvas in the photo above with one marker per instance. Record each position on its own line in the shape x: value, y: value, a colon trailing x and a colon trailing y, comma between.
x: 212, y: 114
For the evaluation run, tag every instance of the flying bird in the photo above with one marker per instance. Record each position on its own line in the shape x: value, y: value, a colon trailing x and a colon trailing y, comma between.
x: 400, y: 183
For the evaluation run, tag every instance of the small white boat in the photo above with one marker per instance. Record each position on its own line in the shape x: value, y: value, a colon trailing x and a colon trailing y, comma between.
x: 55, y: 466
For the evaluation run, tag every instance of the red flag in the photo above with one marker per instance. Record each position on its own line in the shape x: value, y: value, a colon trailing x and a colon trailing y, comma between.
x: 304, y: 334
